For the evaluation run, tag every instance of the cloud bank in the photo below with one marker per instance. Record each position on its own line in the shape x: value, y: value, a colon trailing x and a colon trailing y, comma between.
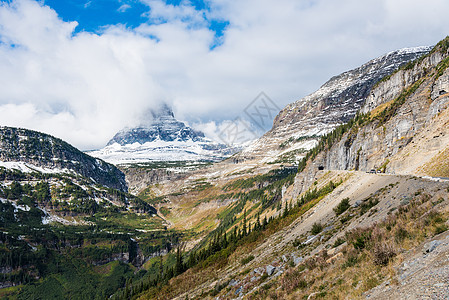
x: 84, y: 87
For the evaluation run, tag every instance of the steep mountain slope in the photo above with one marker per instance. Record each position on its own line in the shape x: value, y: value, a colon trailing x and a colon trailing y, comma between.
x: 30, y: 150
x: 65, y: 236
x: 297, y: 127
x: 162, y: 138
x: 406, y: 128
x: 333, y: 229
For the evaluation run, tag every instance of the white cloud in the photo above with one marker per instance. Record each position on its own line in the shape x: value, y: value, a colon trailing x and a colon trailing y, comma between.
x: 84, y: 87
x: 163, y: 12
x: 87, y: 4
x: 232, y: 132
x: 124, y: 7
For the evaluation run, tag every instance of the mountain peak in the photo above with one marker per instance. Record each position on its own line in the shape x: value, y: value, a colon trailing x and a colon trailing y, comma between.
x: 161, y: 113
x: 30, y: 150
x: 161, y: 137
x: 161, y: 126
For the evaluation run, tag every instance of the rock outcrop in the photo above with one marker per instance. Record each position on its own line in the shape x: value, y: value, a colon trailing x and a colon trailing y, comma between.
x: 405, y: 130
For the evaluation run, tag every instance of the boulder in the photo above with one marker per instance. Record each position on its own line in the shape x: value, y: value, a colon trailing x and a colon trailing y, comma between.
x: 431, y: 246
x: 270, y: 270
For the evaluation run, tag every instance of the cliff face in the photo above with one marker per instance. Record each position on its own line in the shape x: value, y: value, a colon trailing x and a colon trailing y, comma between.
x: 406, y: 111
x: 299, y: 124
x: 140, y: 178
x: 405, y: 129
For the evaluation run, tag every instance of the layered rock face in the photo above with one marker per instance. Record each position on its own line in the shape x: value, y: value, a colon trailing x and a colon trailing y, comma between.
x: 407, y: 127
x: 414, y: 133
x: 299, y: 124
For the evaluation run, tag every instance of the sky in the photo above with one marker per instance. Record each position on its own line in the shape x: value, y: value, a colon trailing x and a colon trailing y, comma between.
x: 82, y: 70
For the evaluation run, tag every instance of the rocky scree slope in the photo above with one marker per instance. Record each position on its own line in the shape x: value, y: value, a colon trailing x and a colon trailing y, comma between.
x: 44, y: 151
x: 296, y: 262
x: 298, y: 126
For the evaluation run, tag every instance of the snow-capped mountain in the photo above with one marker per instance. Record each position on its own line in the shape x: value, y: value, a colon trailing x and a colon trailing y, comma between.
x: 297, y: 127
x: 161, y: 125
x: 162, y: 138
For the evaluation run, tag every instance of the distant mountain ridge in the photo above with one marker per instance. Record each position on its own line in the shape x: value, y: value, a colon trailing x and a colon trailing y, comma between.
x: 161, y: 137
x: 39, y: 150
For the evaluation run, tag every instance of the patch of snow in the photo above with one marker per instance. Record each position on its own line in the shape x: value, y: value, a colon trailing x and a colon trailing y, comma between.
x: 160, y: 150
x: 15, y: 205
x: 29, y: 168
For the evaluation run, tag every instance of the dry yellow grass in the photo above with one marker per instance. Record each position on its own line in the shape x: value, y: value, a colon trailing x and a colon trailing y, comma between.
x: 381, y: 108
x: 439, y: 165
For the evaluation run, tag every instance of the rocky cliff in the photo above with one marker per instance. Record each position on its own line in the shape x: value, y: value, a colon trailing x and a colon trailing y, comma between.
x: 298, y: 126
x: 403, y: 128
x: 406, y: 111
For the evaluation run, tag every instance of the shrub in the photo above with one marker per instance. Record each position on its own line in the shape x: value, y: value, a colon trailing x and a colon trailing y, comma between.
x: 342, y: 206
x: 246, y: 260
x: 316, y: 228
x: 400, y: 234
x: 297, y: 243
x: 367, y: 205
x: 360, y: 242
x: 346, y: 218
x: 441, y: 228
x: 338, y: 242
x: 350, y: 261
x: 383, y: 253
x: 359, y: 237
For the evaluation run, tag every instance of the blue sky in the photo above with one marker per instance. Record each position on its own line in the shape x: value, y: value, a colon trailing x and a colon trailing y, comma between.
x: 83, y: 70
x: 96, y: 15
x: 93, y: 15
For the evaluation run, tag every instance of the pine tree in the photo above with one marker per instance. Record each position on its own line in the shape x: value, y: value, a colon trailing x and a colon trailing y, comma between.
x: 161, y: 268
x: 244, y: 223
x: 179, y: 267
x: 258, y: 222
x: 286, y: 210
